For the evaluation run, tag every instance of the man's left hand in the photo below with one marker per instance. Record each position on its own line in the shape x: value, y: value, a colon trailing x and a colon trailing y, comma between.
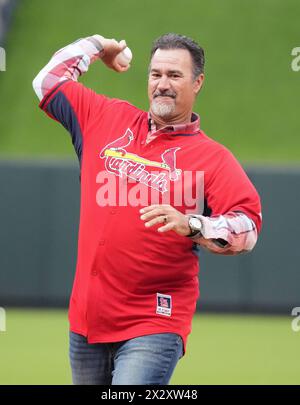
x: 172, y: 219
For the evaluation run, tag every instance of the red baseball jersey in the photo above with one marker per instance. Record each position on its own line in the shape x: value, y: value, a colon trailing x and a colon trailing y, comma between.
x: 131, y: 280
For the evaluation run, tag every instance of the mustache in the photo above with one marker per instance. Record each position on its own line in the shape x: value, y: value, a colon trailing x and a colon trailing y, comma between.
x: 166, y: 94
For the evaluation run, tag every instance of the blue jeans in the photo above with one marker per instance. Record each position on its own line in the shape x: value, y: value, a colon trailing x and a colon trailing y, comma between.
x: 149, y: 359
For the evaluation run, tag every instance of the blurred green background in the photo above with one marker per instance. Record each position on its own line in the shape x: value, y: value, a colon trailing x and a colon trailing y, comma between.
x: 249, y: 103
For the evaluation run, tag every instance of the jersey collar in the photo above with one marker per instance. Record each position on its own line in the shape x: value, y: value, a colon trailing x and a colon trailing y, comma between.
x: 189, y: 127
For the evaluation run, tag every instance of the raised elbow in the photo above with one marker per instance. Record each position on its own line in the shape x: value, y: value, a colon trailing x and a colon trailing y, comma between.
x: 37, y: 86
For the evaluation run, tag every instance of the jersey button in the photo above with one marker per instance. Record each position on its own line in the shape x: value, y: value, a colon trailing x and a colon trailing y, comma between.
x: 113, y: 212
x: 101, y: 241
x: 94, y: 273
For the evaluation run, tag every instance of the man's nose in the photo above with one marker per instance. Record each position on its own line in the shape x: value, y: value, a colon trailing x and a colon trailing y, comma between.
x: 163, y: 84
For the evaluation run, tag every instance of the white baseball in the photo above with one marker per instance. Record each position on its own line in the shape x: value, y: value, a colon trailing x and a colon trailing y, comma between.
x: 124, y: 57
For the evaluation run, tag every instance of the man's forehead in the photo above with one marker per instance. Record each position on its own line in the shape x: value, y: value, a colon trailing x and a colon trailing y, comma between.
x: 171, y: 59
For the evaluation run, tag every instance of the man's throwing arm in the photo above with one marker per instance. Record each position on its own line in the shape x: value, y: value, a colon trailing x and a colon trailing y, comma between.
x: 68, y: 63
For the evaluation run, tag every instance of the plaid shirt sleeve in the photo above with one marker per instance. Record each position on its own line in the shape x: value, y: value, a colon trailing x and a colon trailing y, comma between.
x: 68, y: 63
x: 227, y: 234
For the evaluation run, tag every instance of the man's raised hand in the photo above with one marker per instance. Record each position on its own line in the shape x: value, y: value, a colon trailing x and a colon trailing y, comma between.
x: 111, y: 48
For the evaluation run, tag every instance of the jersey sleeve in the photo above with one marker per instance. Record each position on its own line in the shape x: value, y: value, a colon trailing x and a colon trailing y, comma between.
x: 232, y: 220
x: 62, y: 97
x: 74, y: 106
x: 229, y: 189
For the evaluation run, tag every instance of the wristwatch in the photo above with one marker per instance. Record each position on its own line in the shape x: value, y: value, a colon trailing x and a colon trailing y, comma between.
x: 195, y: 225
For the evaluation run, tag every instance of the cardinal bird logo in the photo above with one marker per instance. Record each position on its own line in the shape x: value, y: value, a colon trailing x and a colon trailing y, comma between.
x: 123, y: 163
x: 118, y: 144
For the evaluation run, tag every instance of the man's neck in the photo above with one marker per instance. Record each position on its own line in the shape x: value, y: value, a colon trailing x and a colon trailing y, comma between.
x: 160, y: 122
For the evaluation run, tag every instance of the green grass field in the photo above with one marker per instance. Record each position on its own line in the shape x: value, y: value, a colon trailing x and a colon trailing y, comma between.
x: 222, y: 349
x: 249, y: 101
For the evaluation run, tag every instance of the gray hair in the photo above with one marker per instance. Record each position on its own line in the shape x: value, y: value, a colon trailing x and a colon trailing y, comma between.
x: 177, y: 41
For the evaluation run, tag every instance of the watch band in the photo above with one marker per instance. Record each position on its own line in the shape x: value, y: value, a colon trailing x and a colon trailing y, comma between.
x: 196, y: 232
x: 193, y: 233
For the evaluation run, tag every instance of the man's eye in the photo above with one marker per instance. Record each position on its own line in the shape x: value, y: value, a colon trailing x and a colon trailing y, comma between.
x: 155, y: 75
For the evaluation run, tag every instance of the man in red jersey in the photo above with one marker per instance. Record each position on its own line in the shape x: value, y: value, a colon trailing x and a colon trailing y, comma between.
x: 153, y: 186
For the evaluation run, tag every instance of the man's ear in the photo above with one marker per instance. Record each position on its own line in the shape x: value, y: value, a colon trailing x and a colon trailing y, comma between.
x: 198, y: 83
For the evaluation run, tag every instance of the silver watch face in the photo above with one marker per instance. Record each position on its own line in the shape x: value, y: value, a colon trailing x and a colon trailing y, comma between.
x: 195, y: 224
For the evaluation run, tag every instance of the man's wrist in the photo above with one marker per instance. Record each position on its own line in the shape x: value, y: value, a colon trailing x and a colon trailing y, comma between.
x: 99, y: 42
x: 195, y: 225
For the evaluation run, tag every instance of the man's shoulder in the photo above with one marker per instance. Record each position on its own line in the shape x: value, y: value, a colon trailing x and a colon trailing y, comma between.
x: 76, y: 89
x: 123, y: 104
x: 218, y: 154
x: 213, y: 144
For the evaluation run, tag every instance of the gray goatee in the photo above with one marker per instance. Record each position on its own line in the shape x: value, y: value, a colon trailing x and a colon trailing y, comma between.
x: 162, y: 109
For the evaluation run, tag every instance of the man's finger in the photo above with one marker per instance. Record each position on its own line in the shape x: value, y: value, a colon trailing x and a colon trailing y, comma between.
x: 157, y: 220
x: 149, y: 208
x: 125, y: 68
x: 168, y: 227
x: 123, y: 44
x: 154, y: 212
